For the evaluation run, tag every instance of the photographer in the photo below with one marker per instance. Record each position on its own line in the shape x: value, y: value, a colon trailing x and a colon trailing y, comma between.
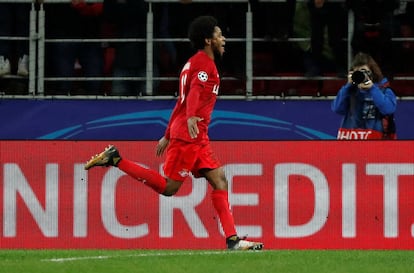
x: 366, y: 101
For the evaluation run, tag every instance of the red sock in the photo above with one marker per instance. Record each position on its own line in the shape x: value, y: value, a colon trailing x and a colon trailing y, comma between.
x: 220, y: 200
x: 147, y: 176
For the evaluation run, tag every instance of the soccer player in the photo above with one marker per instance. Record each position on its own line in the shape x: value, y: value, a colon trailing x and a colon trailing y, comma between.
x: 186, y: 141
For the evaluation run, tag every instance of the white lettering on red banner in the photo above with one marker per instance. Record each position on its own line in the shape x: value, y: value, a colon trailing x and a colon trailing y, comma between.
x: 299, y: 194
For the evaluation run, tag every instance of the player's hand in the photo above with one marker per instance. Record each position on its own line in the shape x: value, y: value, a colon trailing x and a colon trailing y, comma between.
x: 192, y: 126
x: 162, y: 145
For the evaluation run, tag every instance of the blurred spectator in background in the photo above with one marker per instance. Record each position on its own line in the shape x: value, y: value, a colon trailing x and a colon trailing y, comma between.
x: 373, y: 29
x: 332, y: 17
x: 404, y: 28
x: 77, y: 20
x: 274, y: 18
x: 167, y: 49
x: 170, y: 21
x: 129, y: 19
x: 407, y: 25
x: 14, y: 22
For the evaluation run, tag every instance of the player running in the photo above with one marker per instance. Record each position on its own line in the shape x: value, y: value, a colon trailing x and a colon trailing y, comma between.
x: 189, y: 149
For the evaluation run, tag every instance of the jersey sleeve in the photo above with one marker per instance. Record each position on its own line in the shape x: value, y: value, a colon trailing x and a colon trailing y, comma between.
x: 198, y: 81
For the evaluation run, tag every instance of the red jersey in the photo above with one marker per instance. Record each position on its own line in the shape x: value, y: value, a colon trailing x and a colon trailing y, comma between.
x: 199, y: 84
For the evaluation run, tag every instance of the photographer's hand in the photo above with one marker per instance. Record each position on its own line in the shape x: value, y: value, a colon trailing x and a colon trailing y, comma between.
x: 350, y: 76
x: 365, y: 85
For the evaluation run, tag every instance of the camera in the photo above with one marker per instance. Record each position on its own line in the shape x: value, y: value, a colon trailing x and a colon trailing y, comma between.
x: 360, y: 76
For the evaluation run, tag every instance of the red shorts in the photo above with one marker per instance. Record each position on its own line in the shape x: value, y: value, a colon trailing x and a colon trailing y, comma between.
x: 184, y: 157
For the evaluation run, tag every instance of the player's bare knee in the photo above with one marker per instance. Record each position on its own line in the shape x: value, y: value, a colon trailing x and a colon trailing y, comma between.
x: 222, y: 184
x: 219, y: 183
x: 172, y: 187
x: 169, y: 193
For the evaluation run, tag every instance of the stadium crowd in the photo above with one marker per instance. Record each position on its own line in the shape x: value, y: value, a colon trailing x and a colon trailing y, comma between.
x: 307, y: 39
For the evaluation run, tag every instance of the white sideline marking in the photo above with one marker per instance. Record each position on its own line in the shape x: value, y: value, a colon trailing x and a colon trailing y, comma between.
x: 69, y: 259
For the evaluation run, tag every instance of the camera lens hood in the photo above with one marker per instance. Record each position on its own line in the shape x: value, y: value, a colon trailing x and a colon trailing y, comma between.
x: 358, y: 77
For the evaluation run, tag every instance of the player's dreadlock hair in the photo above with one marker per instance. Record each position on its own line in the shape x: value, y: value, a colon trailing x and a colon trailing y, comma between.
x: 200, y: 29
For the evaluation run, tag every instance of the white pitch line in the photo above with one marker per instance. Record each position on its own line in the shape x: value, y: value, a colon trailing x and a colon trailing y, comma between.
x: 69, y: 259
x: 61, y: 260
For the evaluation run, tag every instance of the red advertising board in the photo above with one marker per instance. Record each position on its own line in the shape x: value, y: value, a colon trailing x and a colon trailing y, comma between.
x: 288, y: 194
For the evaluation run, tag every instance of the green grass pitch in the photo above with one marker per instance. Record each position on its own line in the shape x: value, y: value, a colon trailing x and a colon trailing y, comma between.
x: 205, y: 261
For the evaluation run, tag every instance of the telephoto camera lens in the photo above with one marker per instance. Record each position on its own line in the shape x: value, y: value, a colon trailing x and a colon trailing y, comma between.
x: 358, y: 77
